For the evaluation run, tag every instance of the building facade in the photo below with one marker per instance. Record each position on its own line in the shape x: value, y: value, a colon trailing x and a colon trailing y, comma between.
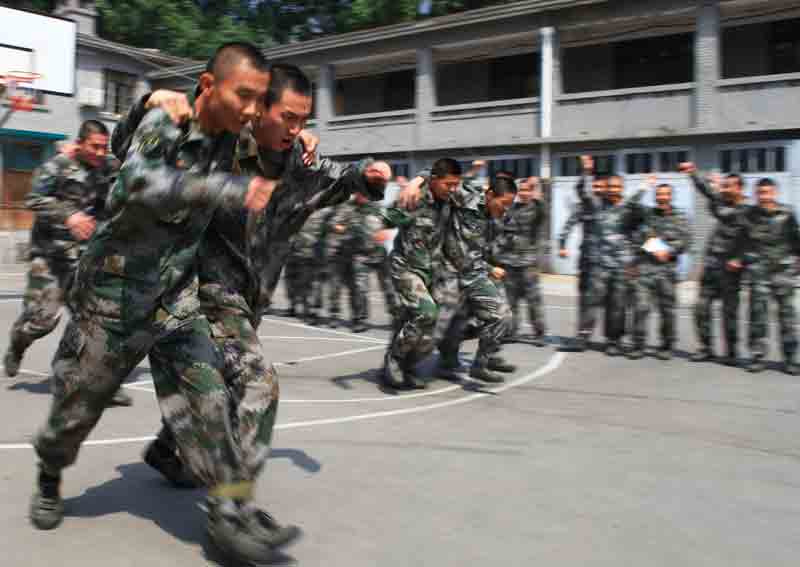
x: 531, y: 85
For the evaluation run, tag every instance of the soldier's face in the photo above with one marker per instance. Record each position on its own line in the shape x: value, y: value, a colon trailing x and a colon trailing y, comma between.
x: 93, y: 149
x: 238, y: 97
x: 614, y: 191
x: 443, y: 187
x: 664, y: 198
x: 599, y: 187
x: 731, y: 189
x: 283, y: 121
x: 767, y: 196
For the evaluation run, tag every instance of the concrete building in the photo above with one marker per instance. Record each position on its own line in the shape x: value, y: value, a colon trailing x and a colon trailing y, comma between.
x: 107, y: 78
x: 531, y: 85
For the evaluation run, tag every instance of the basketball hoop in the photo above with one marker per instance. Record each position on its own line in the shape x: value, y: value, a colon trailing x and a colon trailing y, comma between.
x: 21, y: 92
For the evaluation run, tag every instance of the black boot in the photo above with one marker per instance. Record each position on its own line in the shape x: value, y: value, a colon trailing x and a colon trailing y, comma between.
x: 757, y: 364
x: 267, y: 529
x: 235, y: 534
x: 612, y: 349
x: 704, y: 354
x: 121, y: 399
x: 732, y: 359
x: 163, y: 457
x: 499, y: 364
x: 480, y: 371
x: 637, y: 353
x: 392, y: 374
x: 360, y: 326
x: 47, y: 508
x: 13, y: 359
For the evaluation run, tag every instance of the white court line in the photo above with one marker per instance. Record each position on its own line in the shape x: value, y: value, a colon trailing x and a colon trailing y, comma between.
x: 323, y: 330
x: 334, y: 355
x: 332, y: 339
x: 553, y: 364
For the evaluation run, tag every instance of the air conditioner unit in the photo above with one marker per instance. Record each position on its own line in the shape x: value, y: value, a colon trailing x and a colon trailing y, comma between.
x: 88, y: 96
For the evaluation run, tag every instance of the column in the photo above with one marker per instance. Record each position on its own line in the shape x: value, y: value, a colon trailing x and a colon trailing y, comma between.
x: 425, y: 93
x: 326, y: 89
x: 546, y: 97
x: 707, y: 64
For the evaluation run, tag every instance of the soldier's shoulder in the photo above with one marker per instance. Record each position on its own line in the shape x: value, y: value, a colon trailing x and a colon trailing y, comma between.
x: 60, y: 165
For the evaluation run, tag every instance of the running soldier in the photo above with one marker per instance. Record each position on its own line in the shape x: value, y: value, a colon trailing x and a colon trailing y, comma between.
x: 515, y: 230
x: 136, y: 295
x: 663, y: 236
x: 768, y: 247
x: 302, y: 268
x: 335, y: 271
x: 718, y: 282
x: 68, y: 196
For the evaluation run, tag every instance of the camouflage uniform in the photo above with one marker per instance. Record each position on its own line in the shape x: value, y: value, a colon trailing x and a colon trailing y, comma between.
x: 136, y: 295
x: 612, y: 227
x: 304, y: 264
x: 514, y: 246
x: 586, y: 262
x: 654, y: 281
x: 717, y: 281
x: 62, y: 187
x: 338, y: 271
x: 769, y: 245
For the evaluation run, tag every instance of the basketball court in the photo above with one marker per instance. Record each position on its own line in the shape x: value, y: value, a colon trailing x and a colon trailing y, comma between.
x: 577, y: 459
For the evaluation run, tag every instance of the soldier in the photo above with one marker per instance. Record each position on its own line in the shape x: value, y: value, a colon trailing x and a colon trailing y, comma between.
x: 614, y: 222
x: 362, y: 253
x: 664, y: 235
x: 136, y: 295
x: 768, y: 246
x: 335, y: 273
x: 303, y: 265
x: 588, y: 252
x: 242, y: 257
x: 413, y: 260
x: 68, y: 197
x: 717, y: 282
x: 517, y: 220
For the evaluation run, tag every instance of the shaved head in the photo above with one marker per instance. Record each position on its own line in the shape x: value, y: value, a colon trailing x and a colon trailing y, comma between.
x: 228, y: 56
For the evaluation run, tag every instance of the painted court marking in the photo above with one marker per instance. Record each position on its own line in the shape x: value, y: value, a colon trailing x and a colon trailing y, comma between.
x: 555, y: 361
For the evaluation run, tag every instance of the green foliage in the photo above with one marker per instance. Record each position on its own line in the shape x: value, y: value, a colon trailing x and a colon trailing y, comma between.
x: 193, y: 28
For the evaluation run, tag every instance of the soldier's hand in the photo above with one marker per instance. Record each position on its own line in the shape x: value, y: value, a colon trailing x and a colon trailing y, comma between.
x: 715, y: 181
x: 382, y: 236
x: 662, y: 256
x: 734, y: 265
x: 259, y: 192
x: 652, y: 180
x: 378, y: 174
x: 497, y: 273
x: 310, y: 144
x: 587, y: 164
x: 339, y: 228
x: 81, y: 225
x: 563, y: 253
x: 175, y: 104
x: 411, y: 194
x: 687, y: 167
x: 69, y: 149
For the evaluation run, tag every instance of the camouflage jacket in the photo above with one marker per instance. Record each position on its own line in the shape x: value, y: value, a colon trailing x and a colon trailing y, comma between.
x: 242, y: 255
x: 306, y: 244
x: 362, y: 222
x: 769, y: 241
x: 612, y: 228
x: 722, y: 241
x: 672, y: 228
x: 63, y: 186
x: 144, y: 257
x: 586, y: 216
x: 440, y: 235
x: 514, y: 238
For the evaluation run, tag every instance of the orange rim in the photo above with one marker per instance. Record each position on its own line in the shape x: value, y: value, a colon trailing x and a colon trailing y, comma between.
x: 23, y: 76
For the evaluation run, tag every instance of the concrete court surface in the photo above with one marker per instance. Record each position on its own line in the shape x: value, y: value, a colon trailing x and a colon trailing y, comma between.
x: 578, y: 460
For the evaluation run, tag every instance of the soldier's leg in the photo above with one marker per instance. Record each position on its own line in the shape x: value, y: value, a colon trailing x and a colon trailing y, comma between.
x: 489, y: 306
x: 358, y: 285
x: 759, y: 314
x: 514, y: 284
x: 641, y: 298
x: 783, y: 291
x: 448, y: 331
x: 710, y: 289
x: 595, y: 289
x: 666, y: 295
x: 413, y: 338
x: 615, y: 310
x: 730, y: 288
x: 385, y: 281
x: 533, y: 295
x: 41, y: 312
x: 336, y: 282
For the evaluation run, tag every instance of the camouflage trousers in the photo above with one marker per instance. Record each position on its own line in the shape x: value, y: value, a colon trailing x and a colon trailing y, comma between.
x: 344, y: 272
x: 460, y: 300
x: 718, y: 283
x: 95, y: 355
x: 586, y: 320
x: 48, y: 280
x: 415, y: 320
x: 523, y: 283
x: 361, y: 272
x: 299, y: 278
x: 654, y: 287
x: 606, y: 293
x: 780, y: 287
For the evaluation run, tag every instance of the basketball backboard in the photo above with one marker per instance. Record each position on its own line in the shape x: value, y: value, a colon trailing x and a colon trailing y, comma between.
x: 35, y: 43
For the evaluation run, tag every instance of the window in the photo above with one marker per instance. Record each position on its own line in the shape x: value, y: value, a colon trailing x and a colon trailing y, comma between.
x: 654, y: 61
x: 518, y: 167
x: 375, y: 93
x: 603, y: 165
x: 761, y: 49
x: 639, y: 163
x: 120, y: 89
x: 784, y: 47
x: 650, y: 162
x: 512, y: 77
x: 401, y: 169
x: 753, y: 160
x: 398, y: 90
x: 502, y: 78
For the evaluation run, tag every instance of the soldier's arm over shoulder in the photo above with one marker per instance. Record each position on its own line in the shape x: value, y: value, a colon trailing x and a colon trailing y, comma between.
x: 149, y: 178
x: 48, y: 196
x: 123, y: 132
